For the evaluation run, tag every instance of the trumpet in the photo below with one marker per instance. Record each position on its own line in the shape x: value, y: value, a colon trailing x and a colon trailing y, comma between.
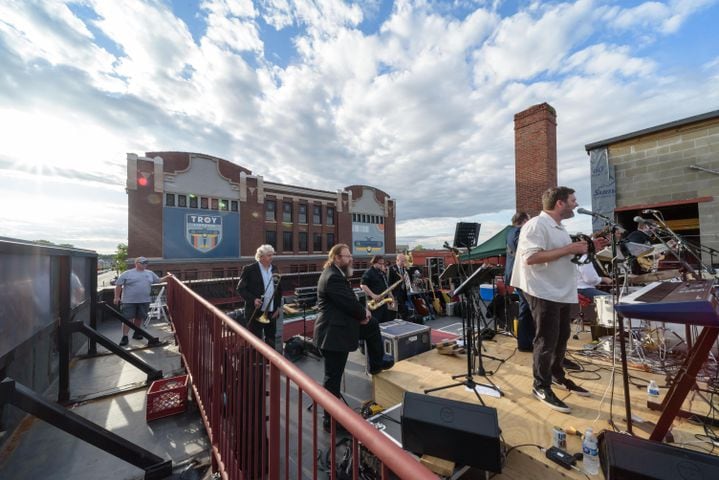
x: 384, y: 297
x: 263, y: 318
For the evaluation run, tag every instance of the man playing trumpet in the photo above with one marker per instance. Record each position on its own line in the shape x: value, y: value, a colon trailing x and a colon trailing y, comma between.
x: 259, y: 286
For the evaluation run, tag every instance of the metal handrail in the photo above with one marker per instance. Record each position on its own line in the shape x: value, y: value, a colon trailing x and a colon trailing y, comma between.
x: 183, y: 305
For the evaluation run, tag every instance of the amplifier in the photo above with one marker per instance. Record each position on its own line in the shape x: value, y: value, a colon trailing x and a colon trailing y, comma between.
x: 465, y: 433
x: 624, y: 457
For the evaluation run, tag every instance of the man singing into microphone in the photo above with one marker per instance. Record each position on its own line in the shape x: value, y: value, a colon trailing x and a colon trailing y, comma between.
x: 544, y: 272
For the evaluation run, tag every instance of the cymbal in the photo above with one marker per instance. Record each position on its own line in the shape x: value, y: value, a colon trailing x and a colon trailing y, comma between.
x: 659, y: 276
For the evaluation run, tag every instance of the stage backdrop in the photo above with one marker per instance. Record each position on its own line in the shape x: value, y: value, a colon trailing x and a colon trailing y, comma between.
x: 367, y: 238
x: 192, y: 233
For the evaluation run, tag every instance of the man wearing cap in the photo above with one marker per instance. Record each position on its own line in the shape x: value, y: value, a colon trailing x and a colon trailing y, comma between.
x: 135, y: 286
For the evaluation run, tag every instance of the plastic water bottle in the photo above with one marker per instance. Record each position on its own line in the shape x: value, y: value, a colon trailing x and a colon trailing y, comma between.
x: 653, y: 392
x: 590, y: 458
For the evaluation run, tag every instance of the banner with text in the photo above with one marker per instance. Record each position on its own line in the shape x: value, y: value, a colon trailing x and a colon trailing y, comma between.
x: 192, y: 233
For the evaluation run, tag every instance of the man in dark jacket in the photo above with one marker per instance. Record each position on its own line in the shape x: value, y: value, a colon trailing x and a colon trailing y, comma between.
x: 525, y: 323
x: 341, y: 322
x: 259, y: 286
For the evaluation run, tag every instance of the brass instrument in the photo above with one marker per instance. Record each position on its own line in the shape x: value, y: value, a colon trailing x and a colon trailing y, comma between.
x: 384, y: 297
x: 263, y: 318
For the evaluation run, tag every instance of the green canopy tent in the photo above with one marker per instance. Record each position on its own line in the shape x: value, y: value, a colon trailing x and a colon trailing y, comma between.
x: 496, y: 246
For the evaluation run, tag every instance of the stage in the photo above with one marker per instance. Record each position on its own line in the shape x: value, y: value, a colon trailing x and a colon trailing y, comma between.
x: 525, y: 420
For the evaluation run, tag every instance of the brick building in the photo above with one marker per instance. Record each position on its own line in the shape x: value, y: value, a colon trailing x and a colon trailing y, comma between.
x: 535, y: 151
x: 199, y: 216
x: 673, y: 168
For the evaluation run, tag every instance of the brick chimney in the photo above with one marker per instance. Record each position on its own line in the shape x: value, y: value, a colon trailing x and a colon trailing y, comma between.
x: 535, y: 152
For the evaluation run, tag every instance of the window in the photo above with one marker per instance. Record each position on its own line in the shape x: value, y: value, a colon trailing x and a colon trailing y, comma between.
x: 330, y: 240
x: 224, y: 205
x: 271, y: 238
x: 302, y: 213
x: 270, y: 211
x: 203, y: 202
x: 287, y: 212
x: 182, y: 201
x: 170, y: 200
x: 215, y: 204
x: 190, y: 274
x: 317, y: 242
x: 317, y: 214
x: 287, y: 241
x: 193, y: 201
x: 330, y: 216
x: 302, y: 239
x: 233, y: 205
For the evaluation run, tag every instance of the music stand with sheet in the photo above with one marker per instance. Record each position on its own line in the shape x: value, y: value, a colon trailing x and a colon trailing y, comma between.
x: 469, y: 290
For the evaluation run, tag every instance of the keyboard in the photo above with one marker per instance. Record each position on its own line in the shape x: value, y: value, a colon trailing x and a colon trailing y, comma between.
x: 692, y: 302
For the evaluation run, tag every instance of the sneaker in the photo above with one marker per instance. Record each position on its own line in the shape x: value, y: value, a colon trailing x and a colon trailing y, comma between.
x: 137, y: 336
x: 547, y: 397
x: 567, y: 384
x: 571, y: 365
x: 124, y: 341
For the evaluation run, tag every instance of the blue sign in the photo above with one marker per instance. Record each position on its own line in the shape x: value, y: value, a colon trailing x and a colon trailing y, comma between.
x: 192, y: 233
x: 367, y: 238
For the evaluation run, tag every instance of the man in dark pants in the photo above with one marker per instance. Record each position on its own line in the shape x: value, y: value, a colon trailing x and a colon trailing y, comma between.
x: 544, y: 272
x: 373, y: 283
x: 525, y: 322
x: 398, y: 271
x: 259, y: 286
x: 342, y: 320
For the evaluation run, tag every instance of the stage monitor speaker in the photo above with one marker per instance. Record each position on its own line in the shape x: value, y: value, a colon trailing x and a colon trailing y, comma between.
x: 466, y: 234
x: 465, y: 433
x: 624, y: 457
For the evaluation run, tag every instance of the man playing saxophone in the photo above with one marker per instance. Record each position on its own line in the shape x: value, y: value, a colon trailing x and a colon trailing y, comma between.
x: 259, y: 286
x: 374, y: 283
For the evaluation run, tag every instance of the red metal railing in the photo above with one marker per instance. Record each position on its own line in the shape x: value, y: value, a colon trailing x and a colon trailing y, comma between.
x: 241, y: 386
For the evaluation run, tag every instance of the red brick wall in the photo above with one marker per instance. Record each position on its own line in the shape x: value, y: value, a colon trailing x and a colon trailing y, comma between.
x: 535, y: 150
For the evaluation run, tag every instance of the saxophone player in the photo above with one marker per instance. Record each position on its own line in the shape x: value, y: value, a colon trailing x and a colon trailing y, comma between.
x: 374, y: 282
x: 259, y: 286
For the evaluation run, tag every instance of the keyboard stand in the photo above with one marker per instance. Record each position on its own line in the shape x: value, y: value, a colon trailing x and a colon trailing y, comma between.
x: 686, y: 379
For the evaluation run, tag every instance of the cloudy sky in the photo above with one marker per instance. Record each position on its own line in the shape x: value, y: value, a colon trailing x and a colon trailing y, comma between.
x: 416, y: 97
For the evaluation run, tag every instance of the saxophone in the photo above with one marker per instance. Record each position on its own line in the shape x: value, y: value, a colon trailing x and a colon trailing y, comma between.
x: 384, y: 297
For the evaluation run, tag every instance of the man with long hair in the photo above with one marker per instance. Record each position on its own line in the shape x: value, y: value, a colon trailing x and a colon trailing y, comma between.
x: 341, y: 322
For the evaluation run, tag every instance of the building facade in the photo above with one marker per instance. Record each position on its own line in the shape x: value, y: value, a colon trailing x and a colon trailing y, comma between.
x: 199, y: 216
x: 672, y: 168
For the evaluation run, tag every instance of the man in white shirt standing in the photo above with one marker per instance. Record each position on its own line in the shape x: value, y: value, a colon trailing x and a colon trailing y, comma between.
x: 544, y: 272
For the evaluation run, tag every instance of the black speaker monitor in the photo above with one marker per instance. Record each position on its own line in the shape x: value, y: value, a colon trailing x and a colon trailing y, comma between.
x: 466, y: 234
x: 465, y: 433
x: 624, y: 457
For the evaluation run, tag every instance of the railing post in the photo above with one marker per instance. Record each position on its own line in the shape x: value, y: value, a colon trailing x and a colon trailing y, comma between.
x: 274, y: 414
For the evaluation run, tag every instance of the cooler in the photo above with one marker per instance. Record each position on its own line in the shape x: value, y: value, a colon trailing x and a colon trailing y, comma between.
x: 404, y: 339
x: 486, y: 291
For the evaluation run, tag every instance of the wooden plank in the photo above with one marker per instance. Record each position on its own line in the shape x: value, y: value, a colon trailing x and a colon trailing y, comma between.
x: 522, y: 418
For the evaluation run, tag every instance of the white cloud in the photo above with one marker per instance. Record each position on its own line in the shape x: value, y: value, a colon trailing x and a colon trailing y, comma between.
x: 422, y: 107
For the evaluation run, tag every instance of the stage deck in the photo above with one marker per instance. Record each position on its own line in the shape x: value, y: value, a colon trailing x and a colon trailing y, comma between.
x: 525, y: 420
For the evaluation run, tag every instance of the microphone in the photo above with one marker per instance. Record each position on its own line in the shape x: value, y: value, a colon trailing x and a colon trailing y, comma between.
x: 649, y: 210
x: 589, y: 212
x: 449, y: 247
x: 641, y: 220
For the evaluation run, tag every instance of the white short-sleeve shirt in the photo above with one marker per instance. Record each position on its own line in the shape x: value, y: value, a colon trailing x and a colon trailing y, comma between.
x: 556, y: 280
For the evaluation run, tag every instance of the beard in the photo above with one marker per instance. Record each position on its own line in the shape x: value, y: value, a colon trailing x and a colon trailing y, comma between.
x: 348, y: 270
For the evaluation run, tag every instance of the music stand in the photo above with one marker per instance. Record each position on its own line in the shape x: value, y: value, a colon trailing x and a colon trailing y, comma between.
x: 306, y: 297
x: 466, y: 234
x: 468, y: 289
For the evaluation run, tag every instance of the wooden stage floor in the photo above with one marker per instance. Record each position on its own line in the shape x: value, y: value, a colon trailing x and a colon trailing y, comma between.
x: 525, y: 420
